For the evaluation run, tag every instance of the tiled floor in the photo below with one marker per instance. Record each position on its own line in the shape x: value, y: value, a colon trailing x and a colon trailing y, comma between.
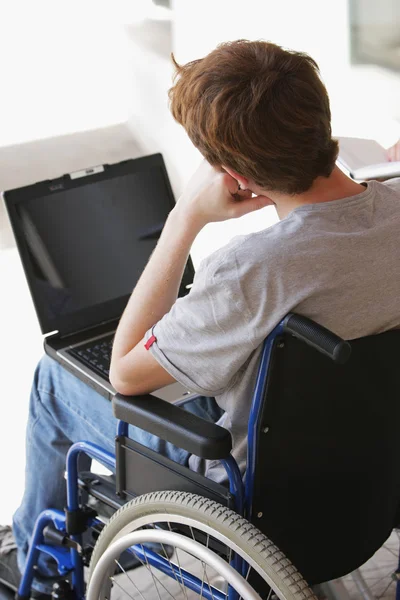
x: 379, y: 571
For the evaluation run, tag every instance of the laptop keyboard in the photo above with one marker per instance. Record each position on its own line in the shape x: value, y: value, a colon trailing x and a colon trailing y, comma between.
x: 96, y: 354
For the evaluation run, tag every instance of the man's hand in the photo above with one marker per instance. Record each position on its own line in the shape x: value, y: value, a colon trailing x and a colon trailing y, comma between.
x: 394, y: 152
x: 213, y: 195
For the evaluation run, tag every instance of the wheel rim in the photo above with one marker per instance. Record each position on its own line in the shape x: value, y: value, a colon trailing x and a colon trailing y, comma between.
x: 106, y: 563
x: 152, y: 518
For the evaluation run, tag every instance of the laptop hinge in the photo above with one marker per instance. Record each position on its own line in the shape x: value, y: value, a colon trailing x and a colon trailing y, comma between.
x: 92, y: 327
x: 51, y: 334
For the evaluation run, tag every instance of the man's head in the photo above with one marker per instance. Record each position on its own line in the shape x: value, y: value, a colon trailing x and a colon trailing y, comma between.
x: 260, y: 111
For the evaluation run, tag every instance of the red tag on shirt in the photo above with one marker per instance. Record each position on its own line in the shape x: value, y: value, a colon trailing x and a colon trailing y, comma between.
x: 150, y: 342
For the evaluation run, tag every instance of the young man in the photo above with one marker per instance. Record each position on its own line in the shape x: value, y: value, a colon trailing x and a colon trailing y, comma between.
x: 260, y: 117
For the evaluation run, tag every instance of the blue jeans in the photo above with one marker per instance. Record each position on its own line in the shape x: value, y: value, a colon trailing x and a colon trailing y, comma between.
x: 62, y: 411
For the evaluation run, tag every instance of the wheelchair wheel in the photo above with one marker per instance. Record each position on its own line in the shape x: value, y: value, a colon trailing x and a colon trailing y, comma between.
x: 186, y: 545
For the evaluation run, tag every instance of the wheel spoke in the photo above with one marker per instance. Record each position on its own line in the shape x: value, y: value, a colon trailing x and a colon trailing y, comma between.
x: 385, y: 590
x: 202, y: 583
x: 180, y: 573
x: 202, y: 564
x: 130, y: 579
x: 378, y: 581
x: 172, y: 565
x: 147, y: 566
x: 205, y: 567
x: 155, y: 578
x: 393, y: 552
x: 181, y: 584
x: 208, y: 581
x: 151, y: 572
x: 121, y: 587
x: 191, y: 531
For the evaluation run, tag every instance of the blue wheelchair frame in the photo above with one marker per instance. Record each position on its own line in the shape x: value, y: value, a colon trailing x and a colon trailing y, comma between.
x: 69, y: 560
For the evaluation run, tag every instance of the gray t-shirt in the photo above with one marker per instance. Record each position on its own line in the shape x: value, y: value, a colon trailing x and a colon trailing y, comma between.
x: 337, y: 263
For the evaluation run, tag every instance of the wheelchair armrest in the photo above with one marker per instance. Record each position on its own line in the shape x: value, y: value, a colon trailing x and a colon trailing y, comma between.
x: 175, y: 425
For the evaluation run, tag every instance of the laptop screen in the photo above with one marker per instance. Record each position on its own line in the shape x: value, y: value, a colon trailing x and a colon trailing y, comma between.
x: 86, y: 245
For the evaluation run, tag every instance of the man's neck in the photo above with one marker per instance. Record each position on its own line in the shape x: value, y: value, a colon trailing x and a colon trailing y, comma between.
x: 324, y: 189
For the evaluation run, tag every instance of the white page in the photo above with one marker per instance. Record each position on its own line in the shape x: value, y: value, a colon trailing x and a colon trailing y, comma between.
x: 358, y: 152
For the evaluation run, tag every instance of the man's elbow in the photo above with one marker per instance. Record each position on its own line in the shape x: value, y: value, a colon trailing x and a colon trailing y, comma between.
x: 120, y: 385
x: 136, y: 375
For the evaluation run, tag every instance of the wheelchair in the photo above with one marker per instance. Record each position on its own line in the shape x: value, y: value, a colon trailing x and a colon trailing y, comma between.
x: 321, y: 492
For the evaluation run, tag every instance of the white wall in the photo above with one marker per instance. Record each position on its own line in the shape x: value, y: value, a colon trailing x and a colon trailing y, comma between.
x: 60, y: 79
x: 311, y: 25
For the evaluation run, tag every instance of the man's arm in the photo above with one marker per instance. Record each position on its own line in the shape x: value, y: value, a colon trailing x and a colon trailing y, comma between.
x: 133, y: 369
x: 211, y: 195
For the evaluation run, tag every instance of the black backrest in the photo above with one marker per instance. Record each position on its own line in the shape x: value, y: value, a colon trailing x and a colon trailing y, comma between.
x: 328, y: 459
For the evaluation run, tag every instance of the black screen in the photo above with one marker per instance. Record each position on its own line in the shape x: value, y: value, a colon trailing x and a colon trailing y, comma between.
x: 89, y: 245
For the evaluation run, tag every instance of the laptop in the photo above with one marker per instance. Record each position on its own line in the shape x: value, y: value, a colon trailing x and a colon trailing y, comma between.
x: 84, y: 240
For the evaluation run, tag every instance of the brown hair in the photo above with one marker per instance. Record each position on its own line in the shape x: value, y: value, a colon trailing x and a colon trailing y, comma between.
x: 260, y: 110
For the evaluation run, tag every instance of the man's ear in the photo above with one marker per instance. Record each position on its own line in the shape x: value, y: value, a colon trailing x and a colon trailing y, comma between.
x: 243, y: 182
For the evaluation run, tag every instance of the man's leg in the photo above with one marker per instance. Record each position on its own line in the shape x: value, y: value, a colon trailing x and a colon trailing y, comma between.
x: 64, y: 410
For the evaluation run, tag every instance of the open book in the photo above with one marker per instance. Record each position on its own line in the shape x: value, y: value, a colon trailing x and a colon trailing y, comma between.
x: 365, y: 159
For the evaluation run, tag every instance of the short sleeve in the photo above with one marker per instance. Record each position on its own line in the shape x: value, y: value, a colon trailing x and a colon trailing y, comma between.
x: 206, y: 337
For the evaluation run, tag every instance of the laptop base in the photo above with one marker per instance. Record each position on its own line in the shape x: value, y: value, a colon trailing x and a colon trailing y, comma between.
x: 59, y: 348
